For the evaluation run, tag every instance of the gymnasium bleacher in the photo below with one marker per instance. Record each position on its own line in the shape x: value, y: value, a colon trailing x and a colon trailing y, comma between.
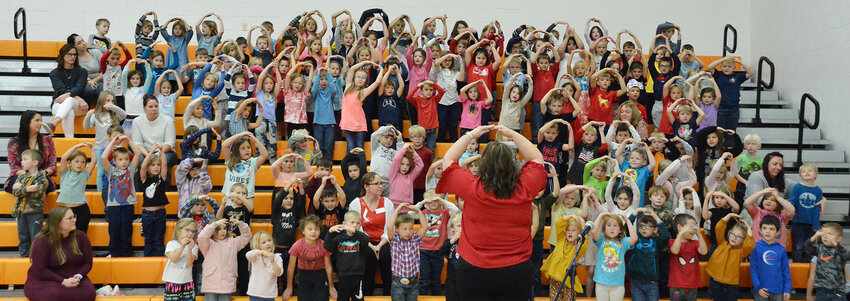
x: 19, y: 92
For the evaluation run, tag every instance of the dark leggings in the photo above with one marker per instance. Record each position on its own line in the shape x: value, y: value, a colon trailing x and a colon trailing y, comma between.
x: 507, y: 283
x: 83, y: 216
x: 372, y: 265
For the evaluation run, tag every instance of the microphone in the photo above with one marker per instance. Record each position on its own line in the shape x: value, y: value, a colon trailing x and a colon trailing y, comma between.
x: 587, y: 227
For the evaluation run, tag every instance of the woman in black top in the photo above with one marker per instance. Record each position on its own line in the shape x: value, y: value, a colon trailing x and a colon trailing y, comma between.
x: 68, y: 80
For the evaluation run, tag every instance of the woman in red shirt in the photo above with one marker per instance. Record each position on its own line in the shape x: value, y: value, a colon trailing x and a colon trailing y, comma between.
x: 495, y: 245
x: 375, y: 212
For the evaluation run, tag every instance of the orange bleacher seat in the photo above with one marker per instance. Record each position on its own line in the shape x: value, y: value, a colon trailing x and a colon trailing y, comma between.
x: 79, y: 130
x: 98, y: 233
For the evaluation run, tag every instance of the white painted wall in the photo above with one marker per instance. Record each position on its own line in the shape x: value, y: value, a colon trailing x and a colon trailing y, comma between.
x: 702, y: 21
x: 808, y: 42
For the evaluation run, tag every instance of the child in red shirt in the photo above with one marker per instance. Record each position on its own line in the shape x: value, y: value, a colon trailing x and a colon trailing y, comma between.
x: 602, y: 100
x: 426, y: 108
x: 544, y: 72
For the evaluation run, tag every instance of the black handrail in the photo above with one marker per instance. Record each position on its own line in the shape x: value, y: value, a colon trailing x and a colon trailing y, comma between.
x: 734, y: 39
x: 761, y: 85
x: 806, y: 123
x: 22, y: 33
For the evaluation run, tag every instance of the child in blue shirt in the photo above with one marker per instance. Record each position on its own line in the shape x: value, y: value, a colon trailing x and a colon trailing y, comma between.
x: 324, y: 120
x: 769, y: 268
x: 729, y: 81
x: 611, y: 241
x: 808, y: 200
x: 639, y: 166
x: 181, y: 35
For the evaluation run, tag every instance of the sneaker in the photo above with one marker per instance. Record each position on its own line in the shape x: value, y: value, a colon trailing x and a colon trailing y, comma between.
x: 49, y: 128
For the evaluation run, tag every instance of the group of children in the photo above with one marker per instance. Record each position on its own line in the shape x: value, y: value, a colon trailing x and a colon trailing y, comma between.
x: 591, y: 112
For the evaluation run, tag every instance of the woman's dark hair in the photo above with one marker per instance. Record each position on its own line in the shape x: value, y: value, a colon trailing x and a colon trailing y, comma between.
x: 498, y: 171
x: 459, y: 22
x: 778, y: 181
x: 23, y: 137
x: 72, y: 38
x: 148, y: 98
x: 60, y: 59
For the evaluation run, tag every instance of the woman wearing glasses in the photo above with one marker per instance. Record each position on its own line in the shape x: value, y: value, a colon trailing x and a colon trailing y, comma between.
x: 375, y: 212
x: 61, y: 260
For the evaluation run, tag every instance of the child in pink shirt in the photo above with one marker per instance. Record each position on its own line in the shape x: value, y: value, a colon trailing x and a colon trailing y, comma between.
x: 219, y: 251
x: 406, y: 167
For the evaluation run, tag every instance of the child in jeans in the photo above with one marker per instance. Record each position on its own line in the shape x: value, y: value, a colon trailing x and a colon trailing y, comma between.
x: 122, y: 193
x: 684, y: 259
x: 643, y: 267
x: 829, y: 270
x: 404, y: 247
x: 808, y: 202
x: 437, y: 212
x: 729, y: 82
x: 346, y: 243
x: 29, y: 190
x: 769, y: 268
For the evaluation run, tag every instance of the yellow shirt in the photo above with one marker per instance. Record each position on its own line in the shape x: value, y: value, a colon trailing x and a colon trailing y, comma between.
x: 556, y: 265
x: 724, y: 265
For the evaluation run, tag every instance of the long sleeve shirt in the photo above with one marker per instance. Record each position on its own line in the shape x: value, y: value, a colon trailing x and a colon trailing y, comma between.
x: 71, y: 81
x: 143, y: 42
x: 30, y: 202
x: 382, y: 157
x: 187, y: 187
x: 401, y: 185
x: 189, y: 151
x: 421, y: 72
x: 112, y: 74
x: 101, y: 123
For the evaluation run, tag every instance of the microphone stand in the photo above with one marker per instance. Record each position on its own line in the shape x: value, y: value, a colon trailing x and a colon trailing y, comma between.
x: 571, y: 271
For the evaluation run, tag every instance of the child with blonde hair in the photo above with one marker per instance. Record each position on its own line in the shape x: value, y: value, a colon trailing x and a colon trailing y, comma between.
x: 266, y: 266
x: 181, y: 252
x: 809, y: 205
x: 611, y: 241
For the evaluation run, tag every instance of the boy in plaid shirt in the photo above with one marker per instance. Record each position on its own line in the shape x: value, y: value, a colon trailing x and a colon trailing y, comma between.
x: 404, y: 250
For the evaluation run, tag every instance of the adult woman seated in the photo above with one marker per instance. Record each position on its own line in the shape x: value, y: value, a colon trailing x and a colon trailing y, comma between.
x: 69, y: 90
x: 61, y: 260
x: 89, y: 58
x: 155, y: 128
x: 28, y: 137
x: 495, y: 243
x: 772, y: 175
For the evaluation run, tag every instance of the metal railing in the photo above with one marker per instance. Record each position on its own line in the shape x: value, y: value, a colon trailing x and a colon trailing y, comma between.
x: 806, y: 123
x: 22, y: 34
x: 761, y: 85
x: 726, y: 47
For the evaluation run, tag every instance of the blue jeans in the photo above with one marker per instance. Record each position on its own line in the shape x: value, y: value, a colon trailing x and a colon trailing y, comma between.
x: 354, y: 139
x: 325, y: 135
x: 449, y: 117
x: 153, y: 230
x: 721, y: 291
x: 643, y: 290
x: 536, y: 119
x: 430, y: 270
x: 120, y: 230
x: 823, y: 294
x: 252, y: 298
x: 431, y: 139
x: 800, y: 234
x: 404, y: 292
x: 771, y: 297
x: 28, y: 227
x: 727, y: 118
x: 216, y: 297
